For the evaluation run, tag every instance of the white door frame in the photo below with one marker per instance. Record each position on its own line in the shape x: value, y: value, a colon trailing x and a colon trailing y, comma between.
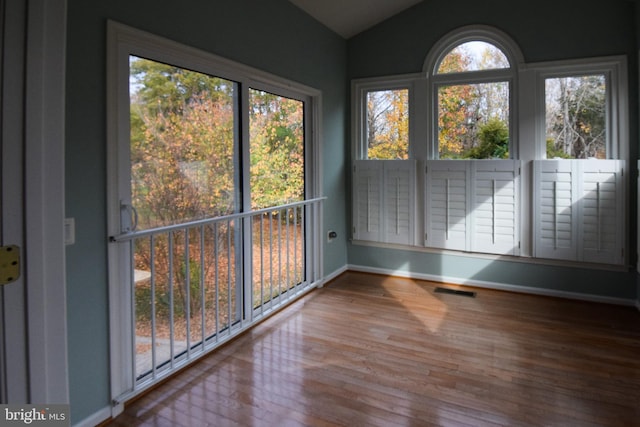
x: 37, y: 209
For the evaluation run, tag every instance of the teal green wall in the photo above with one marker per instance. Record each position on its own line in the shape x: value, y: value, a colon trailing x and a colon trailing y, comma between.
x: 270, y: 35
x: 545, y: 30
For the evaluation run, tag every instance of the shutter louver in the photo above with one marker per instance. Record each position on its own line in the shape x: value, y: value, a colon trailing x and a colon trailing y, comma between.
x: 554, y: 199
x: 367, y: 200
x: 399, y: 200
x: 384, y: 201
x: 579, y: 210
x: 495, y: 185
x: 447, y: 204
x: 601, y: 218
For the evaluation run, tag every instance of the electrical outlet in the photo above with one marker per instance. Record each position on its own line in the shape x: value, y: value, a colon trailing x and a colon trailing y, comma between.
x: 331, y: 235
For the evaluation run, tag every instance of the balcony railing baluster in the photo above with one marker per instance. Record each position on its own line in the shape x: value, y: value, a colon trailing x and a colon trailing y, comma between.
x: 208, y: 252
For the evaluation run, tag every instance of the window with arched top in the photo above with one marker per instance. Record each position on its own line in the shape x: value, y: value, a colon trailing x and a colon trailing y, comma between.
x: 540, y: 152
x: 472, y: 73
x: 473, y: 56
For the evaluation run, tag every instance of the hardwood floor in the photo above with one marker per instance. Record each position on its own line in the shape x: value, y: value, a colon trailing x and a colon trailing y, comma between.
x: 369, y: 350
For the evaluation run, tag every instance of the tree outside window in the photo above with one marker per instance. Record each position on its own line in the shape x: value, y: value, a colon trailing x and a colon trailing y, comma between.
x: 473, y: 118
x: 576, y: 126
x: 387, y: 121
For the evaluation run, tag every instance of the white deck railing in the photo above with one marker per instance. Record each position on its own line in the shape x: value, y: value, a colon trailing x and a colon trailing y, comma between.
x: 197, y: 284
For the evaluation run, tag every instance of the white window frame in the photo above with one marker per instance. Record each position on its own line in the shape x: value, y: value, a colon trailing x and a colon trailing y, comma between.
x: 527, y: 126
x: 614, y: 69
x: 124, y: 41
x: 455, y: 38
x: 359, y: 90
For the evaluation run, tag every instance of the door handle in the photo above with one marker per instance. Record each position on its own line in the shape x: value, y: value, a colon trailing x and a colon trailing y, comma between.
x: 128, y: 218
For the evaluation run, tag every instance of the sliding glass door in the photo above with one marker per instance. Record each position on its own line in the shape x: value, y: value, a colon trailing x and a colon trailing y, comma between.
x: 213, y: 223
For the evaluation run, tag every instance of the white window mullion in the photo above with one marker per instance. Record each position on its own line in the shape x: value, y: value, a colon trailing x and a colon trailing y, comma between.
x: 244, y: 283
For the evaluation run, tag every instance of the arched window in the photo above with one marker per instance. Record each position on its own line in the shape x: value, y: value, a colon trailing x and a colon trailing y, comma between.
x: 541, y: 149
x: 472, y: 73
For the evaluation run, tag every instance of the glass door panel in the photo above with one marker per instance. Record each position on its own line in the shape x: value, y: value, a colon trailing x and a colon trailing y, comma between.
x: 277, y: 177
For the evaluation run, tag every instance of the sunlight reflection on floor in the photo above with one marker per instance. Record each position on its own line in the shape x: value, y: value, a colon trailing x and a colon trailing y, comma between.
x: 430, y: 311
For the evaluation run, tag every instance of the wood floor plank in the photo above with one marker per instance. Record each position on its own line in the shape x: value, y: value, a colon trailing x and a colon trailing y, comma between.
x: 371, y: 350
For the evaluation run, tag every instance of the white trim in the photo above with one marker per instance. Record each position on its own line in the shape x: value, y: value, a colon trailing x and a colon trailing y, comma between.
x: 526, y: 120
x: 44, y: 190
x: 470, y: 33
x: 495, y: 285
x: 359, y: 88
x: 509, y: 75
x: 614, y: 68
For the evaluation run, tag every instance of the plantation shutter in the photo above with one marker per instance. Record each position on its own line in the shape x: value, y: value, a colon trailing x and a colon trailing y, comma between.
x: 367, y: 216
x: 447, y: 204
x: 495, y: 206
x: 579, y: 210
x: 399, y: 201
x: 602, y: 219
x: 555, y: 196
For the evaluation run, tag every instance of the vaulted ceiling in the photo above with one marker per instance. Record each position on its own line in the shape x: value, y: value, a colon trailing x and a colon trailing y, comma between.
x: 350, y: 17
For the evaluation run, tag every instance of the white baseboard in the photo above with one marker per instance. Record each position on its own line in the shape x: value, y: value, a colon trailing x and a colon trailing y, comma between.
x: 498, y: 286
x: 95, y: 419
x: 335, y: 274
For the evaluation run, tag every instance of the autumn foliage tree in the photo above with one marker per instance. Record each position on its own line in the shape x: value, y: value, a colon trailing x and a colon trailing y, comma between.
x: 187, y: 163
x: 455, y: 115
x: 276, y: 149
x: 182, y: 145
x: 465, y: 109
x: 388, y: 124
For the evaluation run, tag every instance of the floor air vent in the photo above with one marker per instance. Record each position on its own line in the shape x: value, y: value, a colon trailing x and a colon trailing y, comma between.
x: 456, y: 292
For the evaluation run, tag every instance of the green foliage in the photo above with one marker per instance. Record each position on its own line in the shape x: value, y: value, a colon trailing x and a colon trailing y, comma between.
x: 555, y: 153
x: 162, y: 87
x: 464, y: 108
x: 493, y: 141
